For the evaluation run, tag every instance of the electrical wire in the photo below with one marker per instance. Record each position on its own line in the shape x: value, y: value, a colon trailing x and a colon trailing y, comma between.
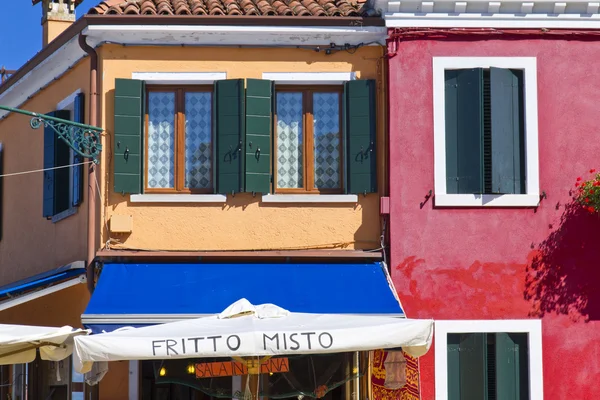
x: 45, y: 169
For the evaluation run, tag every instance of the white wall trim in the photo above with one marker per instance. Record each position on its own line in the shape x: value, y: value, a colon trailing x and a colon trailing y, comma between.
x: 307, y: 78
x: 310, y: 198
x: 529, y: 66
x: 41, y: 293
x: 183, y: 78
x: 486, y: 200
x: 473, y: 20
x: 178, y: 198
x: 533, y: 327
x: 134, y: 380
x: 68, y: 101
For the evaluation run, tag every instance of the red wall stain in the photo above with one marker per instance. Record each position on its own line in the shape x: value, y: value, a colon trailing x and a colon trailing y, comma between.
x: 503, y: 263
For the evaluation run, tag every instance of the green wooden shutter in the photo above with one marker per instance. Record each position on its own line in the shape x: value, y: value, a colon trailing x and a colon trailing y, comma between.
x: 258, y: 135
x: 467, y: 357
x: 360, y: 123
x: 229, y: 125
x: 464, y: 130
x: 512, y: 372
x: 48, y: 180
x: 508, y: 166
x: 127, y: 142
x: 77, y: 173
x: 453, y: 350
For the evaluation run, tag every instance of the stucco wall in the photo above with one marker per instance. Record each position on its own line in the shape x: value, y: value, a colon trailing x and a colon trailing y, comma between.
x: 31, y: 244
x: 504, y: 263
x: 243, y: 222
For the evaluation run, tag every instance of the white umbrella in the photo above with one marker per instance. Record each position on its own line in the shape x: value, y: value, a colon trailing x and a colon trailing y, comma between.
x: 18, y: 343
x: 244, y: 330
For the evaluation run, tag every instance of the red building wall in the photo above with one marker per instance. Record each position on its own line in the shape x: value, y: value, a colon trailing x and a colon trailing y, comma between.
x: 483, y: 263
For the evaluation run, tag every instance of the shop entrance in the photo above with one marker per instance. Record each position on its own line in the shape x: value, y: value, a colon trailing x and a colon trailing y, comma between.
x: 326, y: 376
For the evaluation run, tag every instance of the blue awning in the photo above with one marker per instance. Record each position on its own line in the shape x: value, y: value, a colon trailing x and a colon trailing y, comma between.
x: 145, y: 294
x: 45, y: 279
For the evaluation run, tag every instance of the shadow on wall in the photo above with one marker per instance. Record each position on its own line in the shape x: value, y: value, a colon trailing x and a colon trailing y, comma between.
x: 564, y: 275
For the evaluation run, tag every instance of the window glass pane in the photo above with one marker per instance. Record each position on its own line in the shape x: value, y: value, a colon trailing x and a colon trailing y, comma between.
x: 161, y: 140
x: 198, y: 143
x: 326, y: 116
x: 289, y: 140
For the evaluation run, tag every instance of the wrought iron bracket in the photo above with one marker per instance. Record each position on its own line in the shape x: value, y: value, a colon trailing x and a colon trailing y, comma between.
x: 85, y: 140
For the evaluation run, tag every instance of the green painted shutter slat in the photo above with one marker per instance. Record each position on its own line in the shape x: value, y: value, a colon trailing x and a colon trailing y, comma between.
x: 464, y: 130
x: 360, y: 122
x: 77, y: 174
x: 512, y: 367
x: 128, y: 132
x: 48, y: 180
x: 508, y: 167
x: 258, y: 135
x: 473, y: 365
x: 62, y: 178
x: 453, y: 350
x: 229, y: 124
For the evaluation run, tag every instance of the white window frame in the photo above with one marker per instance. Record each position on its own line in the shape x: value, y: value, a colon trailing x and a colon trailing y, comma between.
x: 68, y: 103
x: 533, y: 328
x: 178, y: 78
x: 309, y: 78
x: 532, y: 197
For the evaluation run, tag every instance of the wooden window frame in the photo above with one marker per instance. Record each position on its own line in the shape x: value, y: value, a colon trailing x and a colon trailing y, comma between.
x: 179, y: 150
x: 308, y: 165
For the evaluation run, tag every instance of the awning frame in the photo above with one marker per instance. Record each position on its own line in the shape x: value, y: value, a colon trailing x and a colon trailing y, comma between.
x: 27, y: 297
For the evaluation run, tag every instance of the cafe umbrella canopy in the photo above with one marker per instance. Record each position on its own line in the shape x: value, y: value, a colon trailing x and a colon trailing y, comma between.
x: 19, y: 343
x: 245, y: 330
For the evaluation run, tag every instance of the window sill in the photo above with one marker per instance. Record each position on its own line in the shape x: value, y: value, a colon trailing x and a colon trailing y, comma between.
x: 487, y: 200
x: 64, y: 214
x: 310, y: 198
x: 178, y: 198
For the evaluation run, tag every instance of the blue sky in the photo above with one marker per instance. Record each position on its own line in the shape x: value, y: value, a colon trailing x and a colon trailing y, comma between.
x: 21, y: 31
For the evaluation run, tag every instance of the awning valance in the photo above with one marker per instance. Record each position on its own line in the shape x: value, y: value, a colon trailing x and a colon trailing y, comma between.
x: 244, y: 330
x: 146, y: 294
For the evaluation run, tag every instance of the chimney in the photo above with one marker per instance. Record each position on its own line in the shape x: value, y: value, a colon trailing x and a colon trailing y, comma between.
x: 57, y: 16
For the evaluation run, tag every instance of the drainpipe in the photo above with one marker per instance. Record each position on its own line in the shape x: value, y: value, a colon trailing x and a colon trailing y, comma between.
x: 92, y: 192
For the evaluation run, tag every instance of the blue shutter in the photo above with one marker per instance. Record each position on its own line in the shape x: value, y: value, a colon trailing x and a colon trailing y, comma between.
x: 1, y: 186
x: 48, y: 182
x: 77, y: 175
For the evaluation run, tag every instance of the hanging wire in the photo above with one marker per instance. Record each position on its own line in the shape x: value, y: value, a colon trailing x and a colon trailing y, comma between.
x: 45, y: 169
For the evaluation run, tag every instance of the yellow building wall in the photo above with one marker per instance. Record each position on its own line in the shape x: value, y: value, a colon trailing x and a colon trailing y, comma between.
x: 31, y: 244
x: 243, y: 223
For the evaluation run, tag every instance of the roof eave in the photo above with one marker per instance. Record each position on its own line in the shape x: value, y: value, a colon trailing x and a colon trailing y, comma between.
x: 90, y: 20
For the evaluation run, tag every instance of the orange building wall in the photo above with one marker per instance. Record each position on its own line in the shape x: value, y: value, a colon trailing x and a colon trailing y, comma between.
x: 56, y: 309
x: 31, y: 244
x: 243, y: 223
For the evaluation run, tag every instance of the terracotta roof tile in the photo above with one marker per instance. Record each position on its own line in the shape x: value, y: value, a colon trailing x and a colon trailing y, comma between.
x: 308, y: 8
